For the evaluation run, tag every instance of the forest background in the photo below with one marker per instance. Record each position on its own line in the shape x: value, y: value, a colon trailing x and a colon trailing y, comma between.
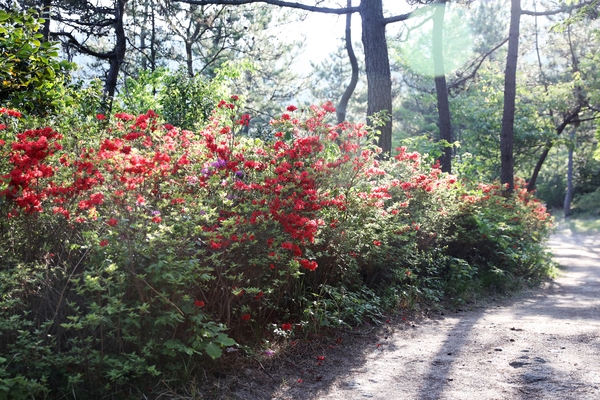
x: 168, y: 191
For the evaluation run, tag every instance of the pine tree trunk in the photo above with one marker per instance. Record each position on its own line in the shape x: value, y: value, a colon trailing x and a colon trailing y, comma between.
x: 343, y: 104
x: 569, y: 195
x: 441, y: 88
x: 510, y: 91
x: 118, y: 55
x: 47, y: 15
x: 189, y: 60
x: 377, y: 67
x: 538, y: 166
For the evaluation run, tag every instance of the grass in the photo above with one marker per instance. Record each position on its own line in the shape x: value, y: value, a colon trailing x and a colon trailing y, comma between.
x: 577, y: 224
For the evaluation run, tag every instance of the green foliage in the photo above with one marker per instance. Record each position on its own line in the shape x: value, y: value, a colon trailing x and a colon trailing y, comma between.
x: 587, y: 172
x: 588, y: 204
x: 32, y: 78
x: 551, y: 189
x: 182, y: 100
x: 504, y: 237
x: 336, y: 306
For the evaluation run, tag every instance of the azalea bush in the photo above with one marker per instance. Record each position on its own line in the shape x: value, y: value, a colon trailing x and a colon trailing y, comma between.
x: 503, y: 236
x: 142, y: 250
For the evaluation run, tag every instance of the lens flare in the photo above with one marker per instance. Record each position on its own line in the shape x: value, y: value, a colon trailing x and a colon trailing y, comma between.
x: 417, y: 44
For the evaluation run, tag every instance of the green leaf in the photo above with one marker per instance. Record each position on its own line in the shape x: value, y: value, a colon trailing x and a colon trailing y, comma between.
x: 213, y: 350
x: 225, y: 340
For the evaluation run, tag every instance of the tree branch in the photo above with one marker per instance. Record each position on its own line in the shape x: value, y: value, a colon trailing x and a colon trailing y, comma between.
x: 397, y: 18
x: 472, y: 74
x: 280, y: 3
x: 82, y: 48
x: 559, y: 11
x: 569, y: 118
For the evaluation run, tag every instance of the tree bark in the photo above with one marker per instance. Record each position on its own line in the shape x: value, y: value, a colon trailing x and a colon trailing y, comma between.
x: 377, y: 68
x: 153, y: 42
x: 343, y: 104
x: 441, y: 89
x: 538, y: 166
x: 569, y: 119
x: 510, y: 91
x: 569, y: 194
x: 189, y: 61
x: 45, y: 13
x: 143, y: 34
x: 117, y: 55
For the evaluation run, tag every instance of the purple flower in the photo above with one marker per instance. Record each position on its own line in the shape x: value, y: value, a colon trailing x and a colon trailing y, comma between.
x: 220, y: 163
x: 239, y: 174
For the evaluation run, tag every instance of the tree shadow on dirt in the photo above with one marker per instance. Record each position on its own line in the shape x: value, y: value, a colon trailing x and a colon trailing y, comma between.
x: 434, y: 383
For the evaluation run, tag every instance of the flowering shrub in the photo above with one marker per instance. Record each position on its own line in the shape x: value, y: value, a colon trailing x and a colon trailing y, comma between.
x: 147, y: 243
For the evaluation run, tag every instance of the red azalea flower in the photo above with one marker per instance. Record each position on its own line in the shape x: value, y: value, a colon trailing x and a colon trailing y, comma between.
x: 100, y: 117
x: 286, y: 327
x: 309, y: 265
x: 291, y: 108
x: 199, y: 303
x: 246, y: 317
x: 112, y: 221
x: 376, y: 242
x: 103, y: 243
x: 245, y: 120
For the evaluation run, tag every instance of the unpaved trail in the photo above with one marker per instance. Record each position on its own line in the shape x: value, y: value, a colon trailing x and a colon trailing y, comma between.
x: 542, y: 344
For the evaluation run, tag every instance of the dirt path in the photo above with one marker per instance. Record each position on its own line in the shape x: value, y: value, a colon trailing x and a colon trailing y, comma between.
x: 543, y: 344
